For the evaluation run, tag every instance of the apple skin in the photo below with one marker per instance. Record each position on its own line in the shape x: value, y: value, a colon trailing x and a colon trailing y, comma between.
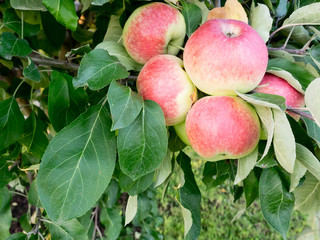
x: 273, y: 84
x: 163, y: 80
x: 224, y: 55
x: 151, y: 28
x: 222, y: 127
x: 181, y: 132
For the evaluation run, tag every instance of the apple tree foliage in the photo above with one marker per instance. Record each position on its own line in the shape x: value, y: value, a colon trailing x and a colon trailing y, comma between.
x: 88, y: 152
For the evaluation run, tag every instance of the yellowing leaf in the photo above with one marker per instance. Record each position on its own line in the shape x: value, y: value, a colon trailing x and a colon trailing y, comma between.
x: 219, y: 12
x: 231, y: 10
x: 312, y: 99
x: 283, y: 141
x: 234, y: 10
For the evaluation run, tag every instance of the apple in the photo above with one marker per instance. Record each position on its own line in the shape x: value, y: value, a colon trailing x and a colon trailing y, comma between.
x: 153, y: 29
x: 163, y: 80
x: 224, y: 55
x: 222, y: 127
x: 181, y: 132
x: 273, y: 84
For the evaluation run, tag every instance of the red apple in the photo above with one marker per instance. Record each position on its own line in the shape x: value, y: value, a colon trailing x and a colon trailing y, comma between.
x: 163, y: 80
x: 222, y: 127
x: 272, y: 84
x: 225, y: 55
x: 153, y: 29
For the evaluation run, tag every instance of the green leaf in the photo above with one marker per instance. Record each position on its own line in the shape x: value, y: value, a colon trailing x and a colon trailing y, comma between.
x: 297, y: 76
x: 65, y: 103
x: 308, y: 160
x: 312, y: 99
x: 112, y: 192
x: 189, y: 198
x: 11, y: 46
x: 33, y: 196
x: 5, y: 174
x: 63, y: 11
x: 35, y: 5
x: 265, y: 100
x: 31, y: 71
x: 203, y: 7
x: 99, y: 2
x: 282, y: 8
x: 13, y: 22
x: 117, y: 50
x: 79, y: 51
x: 69, y: 230
x: 245, y: 165
x: 283, y: 141
x: 112, y: 220
x: 131, y: 209
x: 315, y: 54
x: 164, y: 170
x: 298, y: 172
x: 135, y: 187
x: 308, y: 195
x: 251, y: 188
x: 114, y: 31
x: 82, y: 35
x: 276, y: 202
x: 98, y: 69
x: 56, y: 37
x: 307, y: 14
x: 34, y: 137
x: 17, y: 236
x: 312, y: 128
x: 143, y: 144
x: 192, y: 15
x: 5, y: 213
x: 85, y: 4
x: 125, y: 105
x: 267, y: 122
x: 300, y: 133
x: 215, y: 173
x: 11, y: 122
x: 80, y: 156
x: 261, y: 20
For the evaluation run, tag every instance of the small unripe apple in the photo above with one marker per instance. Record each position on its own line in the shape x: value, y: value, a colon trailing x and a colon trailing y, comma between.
x: 222, y: 127
x: 225, y: 55
x: 163, y: 80
x: 181, y: 132
x: 273, y: 84
x: 153, y: 29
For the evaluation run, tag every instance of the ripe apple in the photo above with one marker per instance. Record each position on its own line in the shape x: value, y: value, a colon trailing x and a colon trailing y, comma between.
x: 224, y: 55
x: 273, y: 84
x: 222, y: 127
x: 163, y: 80
x: 153, y: 29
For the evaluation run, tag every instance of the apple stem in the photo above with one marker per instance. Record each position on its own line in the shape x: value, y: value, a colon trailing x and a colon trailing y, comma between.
x: 174, y: 45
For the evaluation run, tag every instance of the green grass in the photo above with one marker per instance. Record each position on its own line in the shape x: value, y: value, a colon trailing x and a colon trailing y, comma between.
x: 217, y: 212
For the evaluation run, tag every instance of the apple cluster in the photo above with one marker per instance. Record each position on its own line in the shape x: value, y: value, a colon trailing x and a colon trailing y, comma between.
x: 222, y: 57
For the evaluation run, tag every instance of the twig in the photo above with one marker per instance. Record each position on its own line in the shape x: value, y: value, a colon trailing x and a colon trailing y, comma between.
x: 96, y: 227
x: 294, y: 51
x: 300, y: 112
x: 43, y: 61
x: 21, y: 194
x: 290, y: 25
